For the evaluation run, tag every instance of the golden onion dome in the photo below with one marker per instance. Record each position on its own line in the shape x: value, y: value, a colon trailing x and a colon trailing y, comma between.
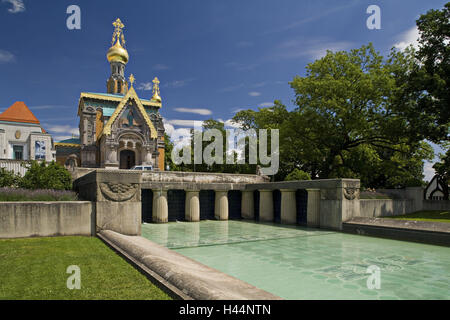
x: 117, y: 53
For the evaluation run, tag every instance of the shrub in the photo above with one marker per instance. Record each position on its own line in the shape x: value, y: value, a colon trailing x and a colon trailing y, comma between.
x: 42, y: 176
x: 297, y: 174
x: 8, y: 178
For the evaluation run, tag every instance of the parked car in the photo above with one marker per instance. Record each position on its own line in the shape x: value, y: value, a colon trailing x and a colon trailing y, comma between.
x: 144, y: 168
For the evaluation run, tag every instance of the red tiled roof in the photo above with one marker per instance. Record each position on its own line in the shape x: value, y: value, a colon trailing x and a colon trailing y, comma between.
x: 18, y: 112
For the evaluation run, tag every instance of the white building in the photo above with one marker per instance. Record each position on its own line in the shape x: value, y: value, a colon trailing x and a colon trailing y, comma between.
x: 23, y: 138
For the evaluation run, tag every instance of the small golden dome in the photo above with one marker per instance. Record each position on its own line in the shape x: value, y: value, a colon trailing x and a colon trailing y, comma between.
x: 117, y: 53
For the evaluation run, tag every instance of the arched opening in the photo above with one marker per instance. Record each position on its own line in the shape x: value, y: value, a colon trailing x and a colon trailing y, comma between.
x: 234, y: 204
x: 127, y: 159
x: 176, y: 205
x: 147, y: 203
x: 301, y: 196
x: 276, y: 194
x: 256, y: 204
x: 207, y: 200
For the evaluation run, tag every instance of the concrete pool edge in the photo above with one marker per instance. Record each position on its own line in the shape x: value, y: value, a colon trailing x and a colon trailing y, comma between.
x: 434, y: 233
x: 187, y: 278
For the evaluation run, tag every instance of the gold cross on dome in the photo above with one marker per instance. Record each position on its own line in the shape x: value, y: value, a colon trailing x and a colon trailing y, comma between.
x: 118, y: 33
x: 118, y: 25
x: 131, y: 79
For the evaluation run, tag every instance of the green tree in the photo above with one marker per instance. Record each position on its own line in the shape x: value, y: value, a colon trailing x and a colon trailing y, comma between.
x: 269, y: 118
x: 345, y: 114
x: 425, y: 97
x: 297, y: 174
x: 168, y: 144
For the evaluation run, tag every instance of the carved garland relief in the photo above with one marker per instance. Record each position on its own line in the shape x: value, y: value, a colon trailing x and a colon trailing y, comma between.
x: 118, y: 191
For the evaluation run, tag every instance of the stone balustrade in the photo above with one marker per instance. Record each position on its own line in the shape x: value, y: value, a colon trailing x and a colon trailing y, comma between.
x: 117, y: 193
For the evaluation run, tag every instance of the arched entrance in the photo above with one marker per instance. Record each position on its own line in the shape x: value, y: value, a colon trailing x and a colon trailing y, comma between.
x: 127, y: 159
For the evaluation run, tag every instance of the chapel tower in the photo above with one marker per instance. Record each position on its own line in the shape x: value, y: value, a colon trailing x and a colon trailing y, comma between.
x: 118, y: 57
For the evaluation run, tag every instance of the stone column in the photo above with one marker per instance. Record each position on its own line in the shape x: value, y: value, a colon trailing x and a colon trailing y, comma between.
x: 266, y: 205
x: 288, y: 206
x: 247, y: 205
x: 313, y: 209
x: 160, y: 209
x: 111, y: 159
x: 192, y: 206
x: 221, y: 205
x: 339, y: 202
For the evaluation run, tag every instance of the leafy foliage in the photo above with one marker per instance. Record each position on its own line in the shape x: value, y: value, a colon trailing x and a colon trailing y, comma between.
x: 297, y: 174
x: 8, y: 178
x: 346, y: 123
x: 425, y: 89
x: 42, y: 176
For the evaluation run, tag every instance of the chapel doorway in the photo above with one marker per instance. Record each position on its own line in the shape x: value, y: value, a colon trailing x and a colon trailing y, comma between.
x: 127, y: 159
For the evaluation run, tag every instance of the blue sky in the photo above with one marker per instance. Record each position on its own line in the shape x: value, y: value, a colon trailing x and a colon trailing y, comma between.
x: 213, y: 57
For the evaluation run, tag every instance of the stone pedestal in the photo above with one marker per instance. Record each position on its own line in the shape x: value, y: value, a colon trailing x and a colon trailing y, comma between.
x: 339, y: 202
x: 266, y: 206
x: 160, y: 210
x: 288, y: 206
x: 247, y: 205
x: 313, y: 209
x: 221, y: 205
x: 116, y: 197
x: 192, y: 206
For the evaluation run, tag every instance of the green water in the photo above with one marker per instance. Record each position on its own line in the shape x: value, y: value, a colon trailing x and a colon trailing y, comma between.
x: 301, y: 263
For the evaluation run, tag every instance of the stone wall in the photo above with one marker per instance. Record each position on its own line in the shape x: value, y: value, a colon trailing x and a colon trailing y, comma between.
x: 62, y: 218
x: 372, y: 208
x: 436, y: 205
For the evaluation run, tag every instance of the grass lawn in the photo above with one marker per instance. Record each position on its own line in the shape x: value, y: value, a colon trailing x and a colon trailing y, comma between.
x: 432, y: 216
x: 35, y: 268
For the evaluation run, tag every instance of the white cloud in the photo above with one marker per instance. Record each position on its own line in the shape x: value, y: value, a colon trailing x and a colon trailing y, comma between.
x: 6, y: 56
x: 315, y: 49
x: 240, y: 109
x: 428, y: 171
x: 184, y: 123
x: 408, y: 38
x: 169, y: 128
x: 146, y: 86
x: 49, y: 106
x: 62, y: 129
x: 203, y: 112
x: 254, y: 94
x: 60, y: 138
x: 266, y: 104
x: 17, y: 6
x: 230, y: 123
x: 160, y: 66
x: 177, y: 83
